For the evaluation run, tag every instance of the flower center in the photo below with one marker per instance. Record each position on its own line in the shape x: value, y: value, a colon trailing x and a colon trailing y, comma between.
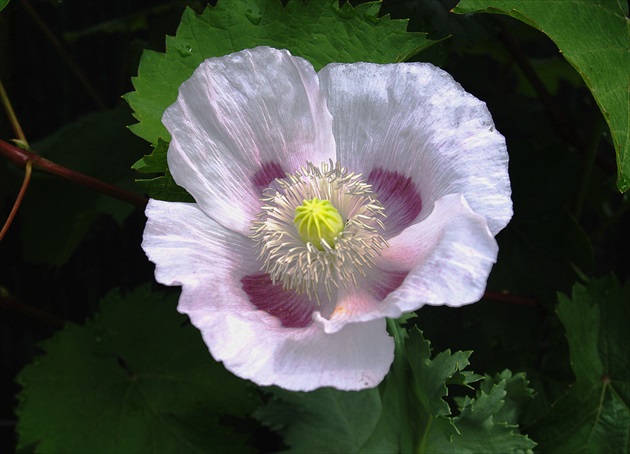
x: 318, y: 220
x: 320, y: 228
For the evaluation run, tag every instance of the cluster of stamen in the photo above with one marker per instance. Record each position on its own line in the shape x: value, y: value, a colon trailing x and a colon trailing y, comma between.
x: 318, y: 266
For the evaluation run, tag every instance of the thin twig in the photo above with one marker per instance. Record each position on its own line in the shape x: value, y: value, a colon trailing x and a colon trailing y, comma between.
x: 596, y: 130
x: 18, y: 201
x: 509, y: 298
x: 21, y: 158
x: 13, y: 305
x: 565, y: 128
x: 621, y: 212
x: 65, y: 56
x: 15, y: 124
x: 28, y: 167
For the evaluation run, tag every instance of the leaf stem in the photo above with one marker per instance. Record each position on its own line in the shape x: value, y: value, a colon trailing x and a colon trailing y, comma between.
x: 402, y: 385
x: 21, y: 158
x: 422, y: 446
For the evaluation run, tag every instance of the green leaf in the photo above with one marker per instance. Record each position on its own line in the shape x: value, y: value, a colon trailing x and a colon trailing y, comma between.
x: 325, y: 420
x: 154, y: 162
x: 430, y: 378
x: 593, y: 35
x: 165, y: 188
x: 488, y: 423
x: 484, y: 423
x: 411, y: 400
x: 3, y: 4
x: 59, y: 214
x: 319, y: 31
x: 136, y: 378
x: 595, y: 415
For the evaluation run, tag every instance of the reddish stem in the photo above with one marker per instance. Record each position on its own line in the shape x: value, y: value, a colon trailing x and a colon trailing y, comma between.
x: 509, y: 298
x: 18, y: 200
x: 21, y: 158
x: 15, y: 306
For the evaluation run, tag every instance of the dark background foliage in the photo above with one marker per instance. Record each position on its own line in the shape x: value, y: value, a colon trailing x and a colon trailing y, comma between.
x: 69, y: 247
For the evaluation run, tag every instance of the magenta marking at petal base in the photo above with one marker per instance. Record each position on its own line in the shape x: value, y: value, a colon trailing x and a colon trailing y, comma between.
x: 293, y: 310
x: 385, y: 282
x: 267, y: 172
x: 399, y: 196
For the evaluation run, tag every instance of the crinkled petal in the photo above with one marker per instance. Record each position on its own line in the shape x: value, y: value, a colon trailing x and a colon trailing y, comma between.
x: 443, y: 260
x: 189, y: 248
x: 449, y: 256
x: 239, y: 122
x: 257, y: 347
x: 210, y: 262
x: 415, y: 120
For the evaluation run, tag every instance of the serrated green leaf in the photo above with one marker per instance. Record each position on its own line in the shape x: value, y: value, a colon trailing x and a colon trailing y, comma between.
x: 134, y: 379
x: 594, y: 36
x: 165, y: 188
x: 517, y: 391
x: 482, y: 425
x: 487, y: 423
x: 319, y: 31
x: 154, y: 162
x: 595, y: 415
x: 325, y: 420
x: 431, y: 375
x: 430, y: 378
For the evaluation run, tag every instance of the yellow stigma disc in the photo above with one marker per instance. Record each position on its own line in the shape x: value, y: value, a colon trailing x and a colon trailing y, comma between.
x: 318, y: 220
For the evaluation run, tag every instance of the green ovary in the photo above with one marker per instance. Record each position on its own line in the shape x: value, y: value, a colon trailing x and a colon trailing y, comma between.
x: 318, y: 220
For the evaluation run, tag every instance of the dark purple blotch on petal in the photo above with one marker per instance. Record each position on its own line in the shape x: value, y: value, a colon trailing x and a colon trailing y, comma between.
x: 399, y: 196
x: 384, y: 282
x: 267, y: 172
x: 293, y: 310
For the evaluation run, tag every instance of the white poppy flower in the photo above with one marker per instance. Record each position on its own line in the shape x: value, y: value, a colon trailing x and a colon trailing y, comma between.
x: 325, y: 202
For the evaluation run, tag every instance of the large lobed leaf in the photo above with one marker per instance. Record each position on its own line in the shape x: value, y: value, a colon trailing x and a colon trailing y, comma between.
x: 594, y: 36
x: 325, y: 420
x: 595, y: 415
x: 319, y: 31
x: 136, y: 378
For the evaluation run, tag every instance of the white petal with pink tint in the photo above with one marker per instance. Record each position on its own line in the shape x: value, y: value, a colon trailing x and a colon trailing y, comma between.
x: 192, y: 250
x: 254, y: 346
x: 414, y: 119
x: 432, y: 156
x: 443, y: 260
x: 240, y: 121
x: 449, y: 256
